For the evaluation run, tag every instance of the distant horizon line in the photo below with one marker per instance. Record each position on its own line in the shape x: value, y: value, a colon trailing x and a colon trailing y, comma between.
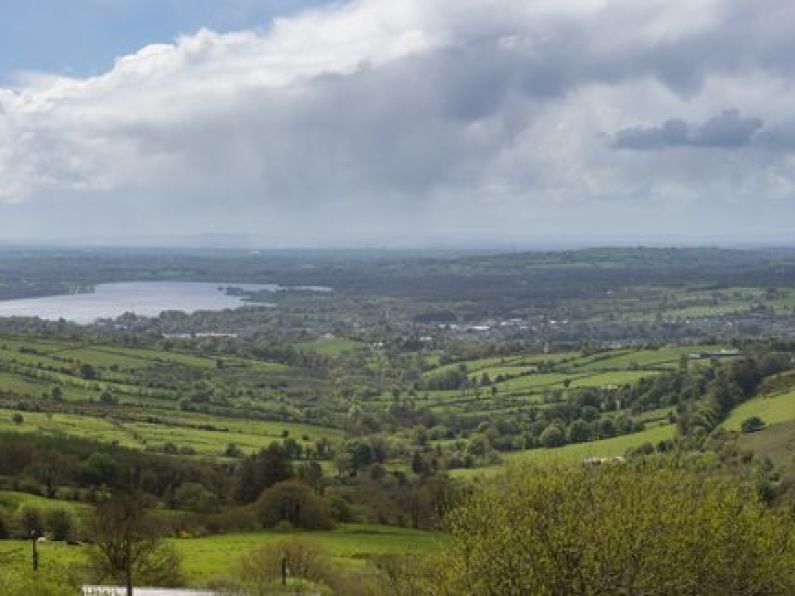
x: 539, y: 244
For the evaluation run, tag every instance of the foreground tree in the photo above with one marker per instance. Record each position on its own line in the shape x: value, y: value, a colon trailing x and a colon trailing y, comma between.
x: 616, y: 530
x: 128, y: 546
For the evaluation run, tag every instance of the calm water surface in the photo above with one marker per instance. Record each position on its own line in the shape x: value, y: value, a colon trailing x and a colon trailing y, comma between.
x: 142, y: 298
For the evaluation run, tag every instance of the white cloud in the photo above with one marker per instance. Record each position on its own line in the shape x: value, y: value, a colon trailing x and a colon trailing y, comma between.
x: 417, y: 118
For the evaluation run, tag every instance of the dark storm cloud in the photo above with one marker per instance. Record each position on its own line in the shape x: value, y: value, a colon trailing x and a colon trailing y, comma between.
x: 778, y: 138
x: 727, y: 130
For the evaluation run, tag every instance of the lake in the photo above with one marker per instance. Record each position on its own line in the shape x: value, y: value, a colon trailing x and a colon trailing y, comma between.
x: 148, y: 298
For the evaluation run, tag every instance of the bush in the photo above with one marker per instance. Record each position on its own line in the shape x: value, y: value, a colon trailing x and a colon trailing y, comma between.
x: 552, y: 437
x: 294, y: 502
x: 30, y: 522
x: 193, y: 496
x: 304, y: 560
x: 340, y: 509
x: 310, y: 569
x: 616, y: 530
x: 752, y: 424
x: 59, y: 580
x: 60, y: 524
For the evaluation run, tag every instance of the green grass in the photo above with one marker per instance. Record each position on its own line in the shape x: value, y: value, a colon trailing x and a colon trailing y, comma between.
x: 351, y: 544
x: 495, y: 364
x: 625, y: 377
x: 22, y: 385
x: 772, y: 410
x: 776, y: 442
x: 84, y: 427
x: 331, y: 345
x: 152, y: 380
x: 534, y: 382
x: 216, y: 556
x: 577, y: 452
x: 11, y: 502
x: 249, y: 435
x: 54, y: 558
x: 604, y: 448
x: 105, y: 356
x: 667, y: 357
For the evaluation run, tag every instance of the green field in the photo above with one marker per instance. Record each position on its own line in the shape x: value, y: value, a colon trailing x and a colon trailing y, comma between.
x: 181, y: 430
x: 351, y: 544
x: 604, y: 448
x: 773, y: 409
x: 255, y: 399
x: 611, y: 379
x: 331, y: 345
x: 202, y: 403
x: 576, y: 453
x: 207, y: 558
x: 11, y: 502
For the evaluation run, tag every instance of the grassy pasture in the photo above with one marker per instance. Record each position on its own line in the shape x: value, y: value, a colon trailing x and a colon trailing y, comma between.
x: 45, y: 346
x: 350, y: 544
x: 533, y: 383
x: 666, y: 358
x: 105, y: 356
x: 514, y: 363
x: 84, y: 427
x: 625, y: 377
x: 11, y: 502
x: 151, y: 380
x: 575, y: 453
x: 776, y: 442
x: 773, y: 409
x: 249, y: 435
x: 23, y: 385
x: 215, y: 556
x: 331, y: 346
x: 605, y: 448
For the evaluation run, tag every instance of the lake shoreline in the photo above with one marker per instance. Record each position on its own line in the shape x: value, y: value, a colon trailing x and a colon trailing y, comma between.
x: 144, y: 298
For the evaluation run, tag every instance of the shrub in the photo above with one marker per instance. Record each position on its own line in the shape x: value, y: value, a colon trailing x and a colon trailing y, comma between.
x: 310, y: 569
x: 192, y: 495
x: 60, y: 524
x: 304, y: 560
x: 616, y: 530
x: 294, y: 502
x: 552, y: 437
x: 59, y: 580
x: 30, y: 522
x: 752, y: 424
x: 340, y: 509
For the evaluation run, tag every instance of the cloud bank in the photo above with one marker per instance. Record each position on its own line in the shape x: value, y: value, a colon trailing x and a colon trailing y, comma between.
x: 382, y: 121
x: 728, y: 130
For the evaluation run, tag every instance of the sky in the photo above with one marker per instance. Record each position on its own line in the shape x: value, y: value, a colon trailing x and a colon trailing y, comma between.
x: 299, y: 123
